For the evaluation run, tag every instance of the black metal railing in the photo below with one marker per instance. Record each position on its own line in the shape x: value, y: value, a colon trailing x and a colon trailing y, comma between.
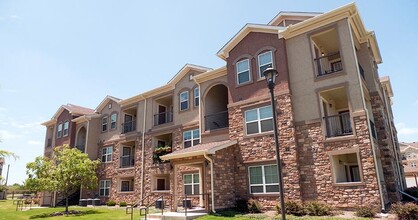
x: 373, y: 128
x: 49, y: 142
x: 128, y: 126
x: 361, y: 70
x: 216, y: 121
x: 338, y: 125
x: 127, y: 161
x: 328, y: 64
x: 162, y: 118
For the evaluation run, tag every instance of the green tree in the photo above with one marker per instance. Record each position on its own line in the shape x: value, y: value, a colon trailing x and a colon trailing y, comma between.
x: 66, y: 171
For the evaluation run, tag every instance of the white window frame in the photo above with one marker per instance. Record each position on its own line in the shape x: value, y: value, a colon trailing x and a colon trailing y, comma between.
x: 191, y: 137
x: 113, y: 124
x: 264, y: 184
x: 346, y: 165
x: 196, y: 96
x: 104, y: 185
x: 59, y: 130
x: 108, y: 155
x: 192, y: 184
x: 104, y: 123
x: 185, y: 100
x: 238, y: 73
x: 260, y: 73
x: 258, y: 120
x: 66, y: 127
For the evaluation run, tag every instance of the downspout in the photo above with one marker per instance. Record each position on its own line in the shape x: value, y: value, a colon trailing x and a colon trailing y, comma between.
x: 200, y: 111
x: 211, y: 181
x: 143, y: 148
x: 382, y: 202
x: 393, y: 139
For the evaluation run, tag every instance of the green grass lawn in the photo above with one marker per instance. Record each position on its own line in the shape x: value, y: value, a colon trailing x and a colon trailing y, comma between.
x: 8, y: 212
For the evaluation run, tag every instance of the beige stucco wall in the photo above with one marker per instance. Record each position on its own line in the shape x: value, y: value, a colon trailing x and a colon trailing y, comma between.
x: 93, y: 138
x: 110, y: 134
x: 303, y: 82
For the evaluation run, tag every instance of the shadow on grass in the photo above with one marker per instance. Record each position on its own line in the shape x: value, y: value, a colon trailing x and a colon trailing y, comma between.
x: 62, y: 213
x: 228, y: 213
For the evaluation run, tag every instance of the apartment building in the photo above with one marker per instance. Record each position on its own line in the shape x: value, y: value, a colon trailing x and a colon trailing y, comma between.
x: 409, y: 155
x: 208, y: 133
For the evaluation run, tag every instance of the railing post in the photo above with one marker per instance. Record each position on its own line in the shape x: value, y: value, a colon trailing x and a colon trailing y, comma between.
x: 185, y: 205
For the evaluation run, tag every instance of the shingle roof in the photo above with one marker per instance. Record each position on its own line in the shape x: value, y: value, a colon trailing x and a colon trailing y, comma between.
x: 207, y: 148
x: 78, y: 110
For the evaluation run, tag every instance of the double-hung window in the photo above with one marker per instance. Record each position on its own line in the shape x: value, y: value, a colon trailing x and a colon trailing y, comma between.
x: 191, y: 184
x: 196, y: 96
x: 59, y: 130
x: 104, y: 123
x: 191, y: 138
x: 263, y: 179
x: 184, y: 100
x: 107, y: 153
x: 113, y: 120
x: 104, y: 188
x: 243, y: 71
x: 265, y: 60
x: 66, y: 126
x: 259, y: 120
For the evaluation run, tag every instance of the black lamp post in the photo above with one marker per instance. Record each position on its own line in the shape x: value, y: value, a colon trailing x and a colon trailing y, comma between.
x: 270, y: 75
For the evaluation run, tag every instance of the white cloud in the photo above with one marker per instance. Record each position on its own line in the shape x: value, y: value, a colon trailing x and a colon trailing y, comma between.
x: 3, y: 109
x: 6, y: 135
x: 32, y: 142
x: 404, y: 130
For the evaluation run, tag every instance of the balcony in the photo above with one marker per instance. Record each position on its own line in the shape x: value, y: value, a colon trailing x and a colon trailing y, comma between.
x: 127, y: 161
x: 128, y: 127
x: 80, y: 148
x: 49, y: 143
x: 216, y: 121
x: 338, y: 125
x: 328, y: 64
x: 163, y: 118
x: 373, y: 128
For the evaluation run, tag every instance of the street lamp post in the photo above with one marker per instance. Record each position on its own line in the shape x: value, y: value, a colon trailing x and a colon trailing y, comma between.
x: 270, y: 75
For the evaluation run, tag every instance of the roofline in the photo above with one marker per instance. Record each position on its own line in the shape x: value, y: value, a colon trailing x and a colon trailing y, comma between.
x: 104, y: 101
x: 290, y: 13
x: 385, y: 81
x: 85, y: 118
x: 198, y: 152
x: 213, y: 74
x: 223, y: 53
x: 186, y: 68
x: 49, y: 123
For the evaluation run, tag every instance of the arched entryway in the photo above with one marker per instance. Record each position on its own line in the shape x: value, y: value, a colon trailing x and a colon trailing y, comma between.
x: 81, y: 139
x: 216, y: 108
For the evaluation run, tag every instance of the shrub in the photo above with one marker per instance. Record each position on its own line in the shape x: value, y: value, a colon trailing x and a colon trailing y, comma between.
x: 254, y: 206
x: 365, y: 212
x: 294, y: 208
x: 241, y: 205
x: 122, y: 204
x: 413, y: 191
x: 407, y: 211
x: 317, y: 209
x: 110, y: 203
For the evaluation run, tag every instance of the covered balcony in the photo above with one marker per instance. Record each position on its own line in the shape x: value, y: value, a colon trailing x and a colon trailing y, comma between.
x: 81, y: 139
x: 216, y: 110
x: 164, y: 110
x: 327, y: 57
x: 127, y: 154
x: 162, y: 146
x: 336, y: 114
x: 129, y: 120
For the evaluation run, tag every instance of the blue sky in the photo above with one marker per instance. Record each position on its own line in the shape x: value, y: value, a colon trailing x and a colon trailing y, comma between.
x: 58, y: 52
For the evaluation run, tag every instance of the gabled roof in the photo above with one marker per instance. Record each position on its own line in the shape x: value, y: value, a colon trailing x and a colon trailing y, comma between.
x: 290, y: 14
x: 199, y: 150
x: 385, y: 81
x: 167, y: 87
x: 72, y: 109
x: 105, y: 101
x: 223, y: 53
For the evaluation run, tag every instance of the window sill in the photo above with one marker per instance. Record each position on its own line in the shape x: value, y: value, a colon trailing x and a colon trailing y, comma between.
x: 348, y: 184
x: 126, y: 192
x: 160, y: 191
x: 126, y: 168
x: 243, y: 84
x: 340, y: 138
x: 267, y: 133
x: 264, y: 194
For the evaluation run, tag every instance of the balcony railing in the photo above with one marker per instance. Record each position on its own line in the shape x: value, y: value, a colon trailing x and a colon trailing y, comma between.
x: 127, y: 161
x: 216, y: 121
x: 128, y: 126
x: 328, y: 64
x: 338, y: 125
x: 373, y: 128
x: 361, y: 70
x: 49, y: 142
x: 162, y: 118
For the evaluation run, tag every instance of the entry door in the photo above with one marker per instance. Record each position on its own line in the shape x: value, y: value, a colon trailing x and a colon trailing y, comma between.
x: 162, y: 112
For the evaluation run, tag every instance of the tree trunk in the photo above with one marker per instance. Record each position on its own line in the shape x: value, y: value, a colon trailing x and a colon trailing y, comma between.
x: 66, y: 203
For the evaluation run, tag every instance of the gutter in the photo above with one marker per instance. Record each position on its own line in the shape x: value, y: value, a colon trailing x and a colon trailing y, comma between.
x: 382, y: 202
x: 211, y: 181
x: 143, y: 148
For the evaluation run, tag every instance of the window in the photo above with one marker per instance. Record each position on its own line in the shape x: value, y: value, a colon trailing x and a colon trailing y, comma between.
x: 345, y: 168
x: 104, y: 188
x: 265, y: 60
x: 59, y: 130
x: 113, y: 119
x: 263, y: 179
x: 184, y: 100
x: 243, y: 71
x: 191, y: 184
x: 107, y: 153
x: 196, y: 96
x: 104, y: 123
x: 126, y: 185
x: 66, y: 126
x: 191, y: 138
x: 259, y: 120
